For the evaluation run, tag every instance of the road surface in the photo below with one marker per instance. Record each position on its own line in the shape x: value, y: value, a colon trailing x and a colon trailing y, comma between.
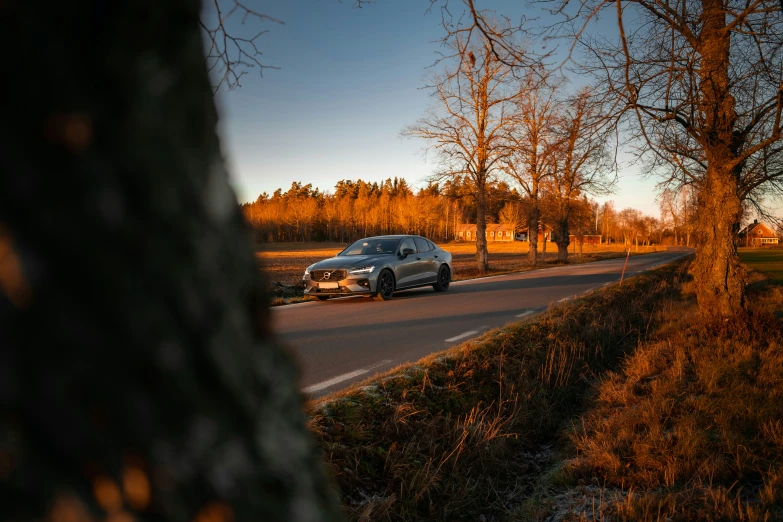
x: 341, y: 341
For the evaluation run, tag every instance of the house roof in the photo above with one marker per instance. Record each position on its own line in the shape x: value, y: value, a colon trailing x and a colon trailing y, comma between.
x: 758, y: 230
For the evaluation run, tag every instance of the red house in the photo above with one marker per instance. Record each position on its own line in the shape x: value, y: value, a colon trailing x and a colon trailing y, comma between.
x: 757, y: 234
x: 586, y: 239
x: 543, y: 233
x: 494, y: 232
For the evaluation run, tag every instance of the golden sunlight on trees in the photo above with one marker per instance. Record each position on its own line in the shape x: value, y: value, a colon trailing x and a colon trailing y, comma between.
x: 532, y: 143
x: 356, y: 209
x: 697, y: 83
x: 700, y: 81
x: 581, y: 161
x: 466, y: 128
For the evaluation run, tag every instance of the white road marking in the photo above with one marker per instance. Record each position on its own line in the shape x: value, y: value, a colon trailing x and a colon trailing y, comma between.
x: 564, y: 299
x: 462, y: 336
x: 553, y: 269
x: 523, y: 314
x: 344, y: 377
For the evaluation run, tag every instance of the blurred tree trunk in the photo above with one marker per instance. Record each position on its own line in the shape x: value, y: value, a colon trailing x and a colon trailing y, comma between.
x: 138, y: 373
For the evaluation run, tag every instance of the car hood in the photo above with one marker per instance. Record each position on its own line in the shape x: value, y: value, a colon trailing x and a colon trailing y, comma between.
x: 350, y: 261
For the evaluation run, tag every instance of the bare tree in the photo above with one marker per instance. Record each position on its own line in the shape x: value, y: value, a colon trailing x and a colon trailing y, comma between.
x: 468, y: 125
x: 581, y: 161
x: 702, y: 81
x: 230, y: 50
x: 513, y: 213
x: 532, y: 143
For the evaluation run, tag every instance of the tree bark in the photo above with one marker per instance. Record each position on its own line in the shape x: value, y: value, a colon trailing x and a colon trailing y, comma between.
x: 532, y: 235
x: 481, y: 231
x: 718, y: 275
x: 139, y: 378
x: 717, y: 272
x: 563, y: 240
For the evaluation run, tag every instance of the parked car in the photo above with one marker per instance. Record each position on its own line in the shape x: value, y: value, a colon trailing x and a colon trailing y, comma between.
x: 378, y: 267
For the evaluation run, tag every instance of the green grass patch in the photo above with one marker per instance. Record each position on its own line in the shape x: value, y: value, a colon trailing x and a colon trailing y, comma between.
x: 766, y: 260
x: 468, y: 433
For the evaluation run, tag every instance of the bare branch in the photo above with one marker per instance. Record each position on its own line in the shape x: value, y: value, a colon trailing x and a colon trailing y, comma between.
x: 228, y: 55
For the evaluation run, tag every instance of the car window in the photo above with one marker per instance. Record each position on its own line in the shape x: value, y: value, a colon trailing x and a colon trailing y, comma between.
x: 431, y: 244
x: 408, y: 243
x: 422, y: 244
x: 365, y: 247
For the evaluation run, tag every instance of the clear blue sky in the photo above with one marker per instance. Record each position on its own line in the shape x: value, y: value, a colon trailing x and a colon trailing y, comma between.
x: 349, y: 81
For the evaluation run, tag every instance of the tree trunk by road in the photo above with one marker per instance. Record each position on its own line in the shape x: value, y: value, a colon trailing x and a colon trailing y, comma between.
x: 139, y: 378
x: 468, y: 130
x: 720, y: 284
x: 481, y: 232
x: 532, y: 234
x: 717, y: 272
x: 563, y: 239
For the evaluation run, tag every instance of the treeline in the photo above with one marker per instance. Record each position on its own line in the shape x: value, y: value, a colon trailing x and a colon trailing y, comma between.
x: 358, y: 209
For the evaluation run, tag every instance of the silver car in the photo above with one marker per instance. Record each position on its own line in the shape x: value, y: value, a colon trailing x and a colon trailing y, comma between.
x: 379, y: 266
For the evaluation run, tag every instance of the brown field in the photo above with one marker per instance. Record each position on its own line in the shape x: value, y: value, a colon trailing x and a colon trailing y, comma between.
x: 285, y: 262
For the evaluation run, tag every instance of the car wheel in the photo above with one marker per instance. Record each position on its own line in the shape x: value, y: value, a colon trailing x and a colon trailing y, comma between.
x: 322, y: 297
x: 444, y: 278
x: 385, y: 286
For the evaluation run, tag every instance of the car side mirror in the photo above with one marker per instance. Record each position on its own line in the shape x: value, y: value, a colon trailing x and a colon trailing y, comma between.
x: 406, y: 252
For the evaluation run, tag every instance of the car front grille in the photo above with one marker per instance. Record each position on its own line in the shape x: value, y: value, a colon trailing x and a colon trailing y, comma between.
x: 334, y: 275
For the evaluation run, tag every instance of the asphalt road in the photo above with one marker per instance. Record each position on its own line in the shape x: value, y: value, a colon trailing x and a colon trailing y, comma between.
x: 341, y: 341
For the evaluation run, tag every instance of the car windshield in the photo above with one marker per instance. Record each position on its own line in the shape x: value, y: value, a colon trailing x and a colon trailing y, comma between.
x: 365, y: 247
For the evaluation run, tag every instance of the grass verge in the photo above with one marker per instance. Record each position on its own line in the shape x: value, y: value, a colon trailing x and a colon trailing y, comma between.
x: 467, y: 433
x: 691, y: 425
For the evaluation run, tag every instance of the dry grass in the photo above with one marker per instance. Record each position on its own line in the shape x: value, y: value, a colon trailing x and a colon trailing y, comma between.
x: 693, y: 421
x: 465, y: 433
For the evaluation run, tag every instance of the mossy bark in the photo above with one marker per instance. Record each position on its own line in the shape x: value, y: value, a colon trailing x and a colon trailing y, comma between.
x: 138, y: 372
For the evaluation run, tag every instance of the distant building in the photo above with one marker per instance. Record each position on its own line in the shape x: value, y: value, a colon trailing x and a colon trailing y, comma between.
x: 757, y: 234
x: 545, y: 233
x: 495, y: 232
x: 585, y: 239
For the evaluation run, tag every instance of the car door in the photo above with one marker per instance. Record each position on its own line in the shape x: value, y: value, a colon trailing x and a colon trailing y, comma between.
x: 429, y: 263
x: 408, y: 268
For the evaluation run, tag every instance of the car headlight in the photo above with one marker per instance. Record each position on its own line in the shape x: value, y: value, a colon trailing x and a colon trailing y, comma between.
x: 363, y: 270
x: 307, y: 271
